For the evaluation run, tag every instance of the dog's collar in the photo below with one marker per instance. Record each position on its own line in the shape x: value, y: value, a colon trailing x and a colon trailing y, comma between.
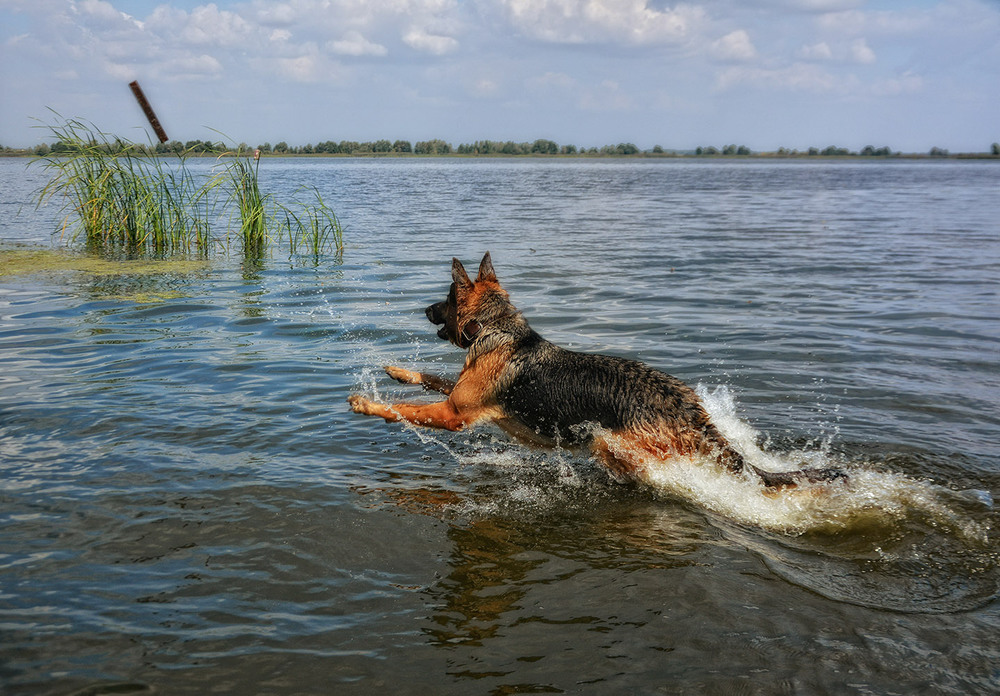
x: 469, y: 332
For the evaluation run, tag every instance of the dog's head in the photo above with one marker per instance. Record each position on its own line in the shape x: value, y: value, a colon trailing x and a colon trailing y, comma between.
x: 471, y: 304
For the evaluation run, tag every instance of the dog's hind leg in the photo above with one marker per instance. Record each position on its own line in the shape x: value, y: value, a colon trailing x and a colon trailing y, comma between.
x: 619, y: 461
x: 432, y: 382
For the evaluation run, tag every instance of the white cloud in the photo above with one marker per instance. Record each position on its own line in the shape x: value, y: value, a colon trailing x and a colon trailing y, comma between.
x: 734, y: 46
x: 18, y: 40
x: 354, y: 44
x: 551, y: 81
x: 822, y: 6
x: 100, y: 12
x: 857, y: 51
x: 435, y: 44
x: 485, y: 87
x: 819, y: 51
x: 907, y: 83
x: 276, y: 14
x: 169, y: 44
x: 118, y: 71
x: 310, y: 67
x: 207, y: 25
x: 300, y: 69
x: 797, y: 77
x: 430, y: 25
x: 861, y: 53
x: 883, y: 22
x: 607, y: 96
x: 194, y: 67
x: 601, y: 21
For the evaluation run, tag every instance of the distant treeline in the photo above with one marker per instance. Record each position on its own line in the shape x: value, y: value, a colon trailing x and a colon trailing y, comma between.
x: 351, y: 147
x: 484, y: 148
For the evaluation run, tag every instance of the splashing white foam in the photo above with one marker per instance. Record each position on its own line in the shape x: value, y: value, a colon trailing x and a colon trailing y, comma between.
x: 869, y: 498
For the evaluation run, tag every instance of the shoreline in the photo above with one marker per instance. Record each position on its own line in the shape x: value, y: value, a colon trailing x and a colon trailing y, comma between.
x: 854, y: 157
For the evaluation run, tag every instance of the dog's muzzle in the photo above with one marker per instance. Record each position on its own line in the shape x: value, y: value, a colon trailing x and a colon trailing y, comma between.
x: 437, y: 313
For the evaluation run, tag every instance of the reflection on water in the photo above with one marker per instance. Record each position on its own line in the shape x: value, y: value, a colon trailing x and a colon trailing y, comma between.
x: 185, y: 498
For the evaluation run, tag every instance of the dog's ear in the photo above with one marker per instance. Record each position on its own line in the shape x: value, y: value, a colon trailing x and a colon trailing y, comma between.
x: 458, y: 274
x: 486, y: 271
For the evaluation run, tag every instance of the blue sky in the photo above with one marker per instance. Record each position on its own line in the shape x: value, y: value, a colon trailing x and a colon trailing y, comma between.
x: 911, y: 74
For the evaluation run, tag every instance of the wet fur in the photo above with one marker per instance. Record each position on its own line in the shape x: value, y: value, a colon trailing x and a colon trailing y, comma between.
x: 624, y: 411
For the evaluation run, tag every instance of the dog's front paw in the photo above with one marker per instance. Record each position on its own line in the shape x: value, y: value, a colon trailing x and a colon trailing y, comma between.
x: 360, y: 404
x: 401, y: 375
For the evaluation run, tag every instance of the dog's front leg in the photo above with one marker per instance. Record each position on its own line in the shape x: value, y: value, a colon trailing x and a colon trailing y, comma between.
x: 442, y: 414
x: 432, y: 382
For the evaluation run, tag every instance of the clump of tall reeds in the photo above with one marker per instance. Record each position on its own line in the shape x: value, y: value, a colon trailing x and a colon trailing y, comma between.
x: 241, y: 179
x: 123, y: 200
x: 262, y: 220
x: 119, y: 198
x: 314, y: 227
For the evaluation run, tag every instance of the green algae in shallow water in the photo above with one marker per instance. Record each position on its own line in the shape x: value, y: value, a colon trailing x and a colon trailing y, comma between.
x: 40, y: 261
x: 107, y: 273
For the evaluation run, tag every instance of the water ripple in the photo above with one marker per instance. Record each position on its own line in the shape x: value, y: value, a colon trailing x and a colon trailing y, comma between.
x: 186, y: 499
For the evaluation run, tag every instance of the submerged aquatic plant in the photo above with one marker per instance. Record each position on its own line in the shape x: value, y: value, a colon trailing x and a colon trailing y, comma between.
x: 121, y: 199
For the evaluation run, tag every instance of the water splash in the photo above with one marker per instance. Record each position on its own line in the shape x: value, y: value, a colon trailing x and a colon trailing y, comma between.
x: 872, y: 500
x: 882, y: 539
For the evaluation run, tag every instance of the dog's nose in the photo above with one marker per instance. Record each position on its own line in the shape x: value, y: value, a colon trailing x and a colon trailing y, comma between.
x: 436, y: 312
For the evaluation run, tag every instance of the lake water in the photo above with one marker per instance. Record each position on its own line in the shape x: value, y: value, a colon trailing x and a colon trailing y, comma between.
x: 188, y: 506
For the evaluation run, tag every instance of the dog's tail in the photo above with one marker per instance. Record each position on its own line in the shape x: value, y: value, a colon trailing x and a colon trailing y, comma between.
x: 776, y: 480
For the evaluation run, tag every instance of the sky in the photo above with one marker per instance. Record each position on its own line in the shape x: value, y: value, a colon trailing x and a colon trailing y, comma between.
x: 907, y: 74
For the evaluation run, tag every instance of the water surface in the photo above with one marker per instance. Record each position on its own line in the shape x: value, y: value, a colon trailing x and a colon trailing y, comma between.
x: 187, y: 503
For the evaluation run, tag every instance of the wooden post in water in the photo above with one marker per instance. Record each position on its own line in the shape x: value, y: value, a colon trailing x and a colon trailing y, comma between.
x: 148, y: 110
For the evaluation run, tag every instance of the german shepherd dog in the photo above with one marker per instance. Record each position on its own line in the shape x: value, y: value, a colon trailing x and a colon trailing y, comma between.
x: 628, y: 414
